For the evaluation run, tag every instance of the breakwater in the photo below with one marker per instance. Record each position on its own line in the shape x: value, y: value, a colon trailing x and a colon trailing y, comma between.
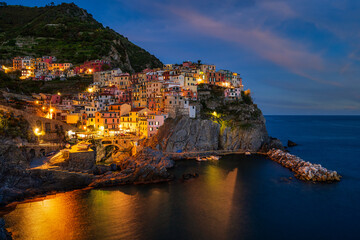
x: 303, y: 170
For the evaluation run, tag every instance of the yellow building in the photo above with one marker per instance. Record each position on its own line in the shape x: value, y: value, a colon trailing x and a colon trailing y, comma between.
x: 190, y: 82
x: 139, y: 96
x: 72, y: 118
x: 134, y: 122
x: 90, y: 121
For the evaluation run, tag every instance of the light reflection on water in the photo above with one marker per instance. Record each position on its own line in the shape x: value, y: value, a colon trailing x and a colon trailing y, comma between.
x: 133, y: 212
x: 238, y: 197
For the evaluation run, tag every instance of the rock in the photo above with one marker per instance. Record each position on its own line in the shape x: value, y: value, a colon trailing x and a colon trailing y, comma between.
x: 291, y: 143
x: 113, y: 167
x: 303, y: 170
x: 187, y: 176
x: 189, y: 135
x: 4, y: 234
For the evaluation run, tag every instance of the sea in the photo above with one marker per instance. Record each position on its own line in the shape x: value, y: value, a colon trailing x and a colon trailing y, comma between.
x: 237, y: 197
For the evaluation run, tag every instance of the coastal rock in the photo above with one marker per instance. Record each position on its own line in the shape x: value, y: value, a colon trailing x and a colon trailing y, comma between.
x: 27, y: 183
x: 146, y: 167
x: 291, y: 143
x: 184, y: 134
x: 4, y: 234
x: 303, y: 170
x: 187, y: 176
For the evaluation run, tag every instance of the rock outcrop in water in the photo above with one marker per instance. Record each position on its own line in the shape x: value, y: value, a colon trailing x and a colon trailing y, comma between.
x: 303, y: 170
x: 146, y: 167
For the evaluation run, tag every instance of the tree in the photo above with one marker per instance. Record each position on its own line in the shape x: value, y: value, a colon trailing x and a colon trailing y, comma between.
x: 3, y: 4
x: 105, y: 67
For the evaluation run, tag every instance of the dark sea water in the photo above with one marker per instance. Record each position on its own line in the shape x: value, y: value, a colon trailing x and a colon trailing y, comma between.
x: 238, y: 197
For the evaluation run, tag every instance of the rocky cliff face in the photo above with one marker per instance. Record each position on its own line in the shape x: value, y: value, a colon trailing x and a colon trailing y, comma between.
x: 185, y: 134
x: 236, y: 125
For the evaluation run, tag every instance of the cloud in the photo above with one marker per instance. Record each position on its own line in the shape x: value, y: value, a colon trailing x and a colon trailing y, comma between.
x: 286, y: 53
x: 278, y: 8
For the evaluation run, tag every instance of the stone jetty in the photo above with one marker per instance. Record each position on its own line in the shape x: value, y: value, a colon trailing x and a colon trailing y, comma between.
x: 303, y: 170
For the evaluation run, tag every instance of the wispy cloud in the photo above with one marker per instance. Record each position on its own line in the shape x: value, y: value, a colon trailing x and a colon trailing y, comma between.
x: 286, y: 53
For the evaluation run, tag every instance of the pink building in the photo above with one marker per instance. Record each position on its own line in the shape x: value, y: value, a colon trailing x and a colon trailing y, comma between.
x: 154, y: 122
x: 123, y: 96
x: 48, y: 59
x: 109, y: 120
x: 187, y: 64
x: 232, y: 93
x: 91, y: 66
x: 55, y: 99
x: 189, y: 94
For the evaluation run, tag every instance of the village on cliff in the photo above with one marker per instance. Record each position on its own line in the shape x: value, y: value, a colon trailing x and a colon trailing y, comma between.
x: 121, y: 104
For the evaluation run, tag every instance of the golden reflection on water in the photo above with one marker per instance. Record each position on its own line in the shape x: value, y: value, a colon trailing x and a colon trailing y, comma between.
x: 204, y: 207
x: 215, y: 202
x: 49, y: 217
x: 101, y: 214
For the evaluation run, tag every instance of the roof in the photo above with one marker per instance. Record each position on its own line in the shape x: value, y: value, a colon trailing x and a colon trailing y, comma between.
x: 137, y: 109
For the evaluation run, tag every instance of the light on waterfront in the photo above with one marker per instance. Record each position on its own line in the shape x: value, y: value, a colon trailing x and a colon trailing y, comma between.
x: 37, y: 132
x: 70, y: 133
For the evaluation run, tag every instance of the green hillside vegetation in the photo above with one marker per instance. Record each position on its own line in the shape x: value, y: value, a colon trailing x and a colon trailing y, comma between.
x: 14, y: 127
x: 69, y: 33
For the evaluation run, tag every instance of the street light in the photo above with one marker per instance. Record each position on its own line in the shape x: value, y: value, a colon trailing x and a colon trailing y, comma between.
x: 37, y: 132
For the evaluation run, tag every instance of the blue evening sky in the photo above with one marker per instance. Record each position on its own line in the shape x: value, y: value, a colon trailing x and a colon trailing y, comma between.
x: 296, y: 56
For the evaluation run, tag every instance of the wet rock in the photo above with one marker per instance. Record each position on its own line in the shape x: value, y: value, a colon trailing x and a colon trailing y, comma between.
x: 291, y: 143
x: 4, y: 234
x: 187, y: 176
x: 147, y: 166
x: 113, y: 167
x: 303, y: 170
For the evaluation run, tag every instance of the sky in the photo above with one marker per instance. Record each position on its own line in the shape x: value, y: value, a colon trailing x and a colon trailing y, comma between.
x: 296, y: 56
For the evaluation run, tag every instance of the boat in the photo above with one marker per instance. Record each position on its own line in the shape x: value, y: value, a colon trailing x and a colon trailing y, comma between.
x: 202, y: 159
x: 247, y: 153
x: 213, y: 158
x: 210, y: 158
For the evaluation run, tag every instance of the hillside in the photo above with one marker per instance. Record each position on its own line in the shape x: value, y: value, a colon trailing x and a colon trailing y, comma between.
x: 69, y: 33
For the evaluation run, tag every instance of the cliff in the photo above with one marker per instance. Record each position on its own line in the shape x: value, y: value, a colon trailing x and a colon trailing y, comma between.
x: 68, y: 32
x: 223, y: 124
